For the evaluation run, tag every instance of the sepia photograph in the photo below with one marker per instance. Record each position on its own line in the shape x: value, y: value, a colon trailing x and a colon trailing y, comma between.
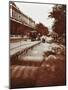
x: 37, y: 44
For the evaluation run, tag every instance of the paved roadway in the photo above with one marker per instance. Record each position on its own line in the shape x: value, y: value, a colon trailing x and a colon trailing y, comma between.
x: 18, y: 46
x: 37, y: 52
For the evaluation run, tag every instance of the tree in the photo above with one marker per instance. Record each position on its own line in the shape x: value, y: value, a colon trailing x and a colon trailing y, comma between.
x: 59, y: 14
x: 43, y: 30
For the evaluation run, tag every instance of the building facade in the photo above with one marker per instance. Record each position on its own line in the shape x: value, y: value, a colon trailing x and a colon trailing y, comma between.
x: 20, y: 24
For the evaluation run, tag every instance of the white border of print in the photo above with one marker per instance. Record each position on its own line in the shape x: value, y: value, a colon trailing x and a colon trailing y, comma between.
x: 4, y: 44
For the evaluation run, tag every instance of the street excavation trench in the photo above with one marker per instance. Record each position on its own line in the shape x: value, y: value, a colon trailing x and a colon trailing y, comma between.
x: 41, y: 65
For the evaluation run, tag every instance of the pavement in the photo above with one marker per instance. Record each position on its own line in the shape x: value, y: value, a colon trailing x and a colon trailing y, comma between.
x: 37, y: 53
x: 21, y: 45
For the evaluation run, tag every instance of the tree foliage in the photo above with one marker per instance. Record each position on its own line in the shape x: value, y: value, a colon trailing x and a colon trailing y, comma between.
x: 59, y: 14
x: 43, y: 30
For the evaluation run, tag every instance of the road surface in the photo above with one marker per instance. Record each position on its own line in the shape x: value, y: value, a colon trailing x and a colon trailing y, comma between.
x: 19, y: 46
x: 37, y: 52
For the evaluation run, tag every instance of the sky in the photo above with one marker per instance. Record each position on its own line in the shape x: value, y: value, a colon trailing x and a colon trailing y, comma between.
x: 38, y: 12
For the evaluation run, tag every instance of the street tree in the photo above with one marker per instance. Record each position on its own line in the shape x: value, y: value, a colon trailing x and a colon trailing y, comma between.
x: 42, y: 29
x: 59, y: 14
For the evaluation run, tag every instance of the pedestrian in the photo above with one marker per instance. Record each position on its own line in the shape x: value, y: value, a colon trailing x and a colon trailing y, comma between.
x: 43, y: 38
